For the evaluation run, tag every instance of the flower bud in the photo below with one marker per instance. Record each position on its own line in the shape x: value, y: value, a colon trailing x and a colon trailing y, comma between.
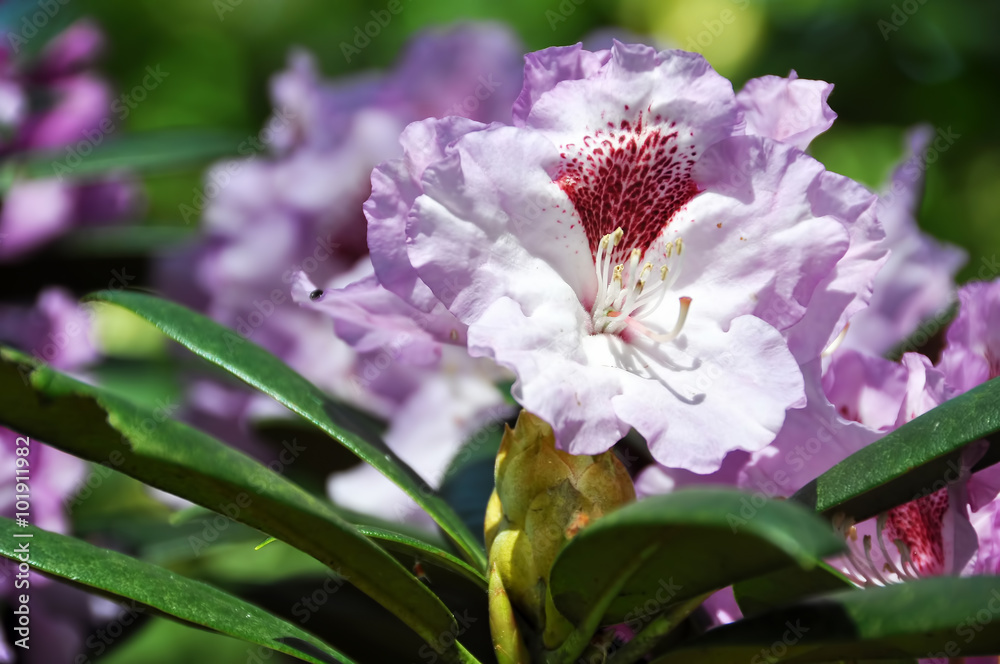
x: 543, y: 497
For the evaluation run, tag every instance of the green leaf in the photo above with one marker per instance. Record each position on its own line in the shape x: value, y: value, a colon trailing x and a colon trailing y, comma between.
x: 165, y: 641
x: 914, y: 460
x: 267, y: 373
x: 146, y: 151
x: 693, y: 541
x: 120, y: 576
x: 147, y: 445
x: 930, y: 618
x: 786, y: 586
x: 124, y: 240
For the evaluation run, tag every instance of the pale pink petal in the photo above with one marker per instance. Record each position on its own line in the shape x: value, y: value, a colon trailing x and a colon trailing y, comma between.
x: 791, y: 110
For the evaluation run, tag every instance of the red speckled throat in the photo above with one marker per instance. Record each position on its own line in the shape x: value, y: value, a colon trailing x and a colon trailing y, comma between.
x: 634, y: 176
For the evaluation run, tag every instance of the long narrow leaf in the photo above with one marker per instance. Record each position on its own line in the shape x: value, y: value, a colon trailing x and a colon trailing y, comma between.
x: 911, y: 461
x: 99, y: 426
x: 689, y: 542
x: 171, y: 594
x: 267, y: 373
x: 942, y: 618
x: 144, y: 151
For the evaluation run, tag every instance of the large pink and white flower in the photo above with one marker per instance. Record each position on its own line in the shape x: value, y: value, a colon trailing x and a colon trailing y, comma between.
x: 643, y: 248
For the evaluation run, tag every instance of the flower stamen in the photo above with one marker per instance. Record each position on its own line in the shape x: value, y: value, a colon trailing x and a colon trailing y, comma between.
x: 629, y: 296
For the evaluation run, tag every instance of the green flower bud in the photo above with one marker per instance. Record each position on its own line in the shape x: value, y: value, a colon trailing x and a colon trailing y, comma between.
x: 543, y: 497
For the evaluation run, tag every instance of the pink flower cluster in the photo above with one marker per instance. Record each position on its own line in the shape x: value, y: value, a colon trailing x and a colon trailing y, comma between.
x: 50, y: 103
x: 639, y: 247
x: 290, y: 218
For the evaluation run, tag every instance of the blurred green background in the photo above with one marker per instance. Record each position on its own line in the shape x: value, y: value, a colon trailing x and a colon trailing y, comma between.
x: 894, y: 64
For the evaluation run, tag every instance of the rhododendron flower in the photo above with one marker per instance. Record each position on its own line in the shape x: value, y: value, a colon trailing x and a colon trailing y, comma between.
x: 631, y: 251
x: 971, y: 357
x: 281, y: 211
x: 929, y: 536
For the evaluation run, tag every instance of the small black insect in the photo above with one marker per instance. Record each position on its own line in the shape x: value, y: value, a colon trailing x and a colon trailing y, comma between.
x: 316, y: 294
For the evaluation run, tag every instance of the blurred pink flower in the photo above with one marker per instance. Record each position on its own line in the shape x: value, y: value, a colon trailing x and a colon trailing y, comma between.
x: 918, y: 280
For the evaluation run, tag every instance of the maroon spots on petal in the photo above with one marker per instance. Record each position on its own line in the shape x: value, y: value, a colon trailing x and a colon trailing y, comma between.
x: 918, y: 524
x: 844, y: 411
x: 634, y: 179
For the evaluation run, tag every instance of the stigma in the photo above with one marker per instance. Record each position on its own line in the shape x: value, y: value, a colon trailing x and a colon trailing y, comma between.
x: 628, y: 293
